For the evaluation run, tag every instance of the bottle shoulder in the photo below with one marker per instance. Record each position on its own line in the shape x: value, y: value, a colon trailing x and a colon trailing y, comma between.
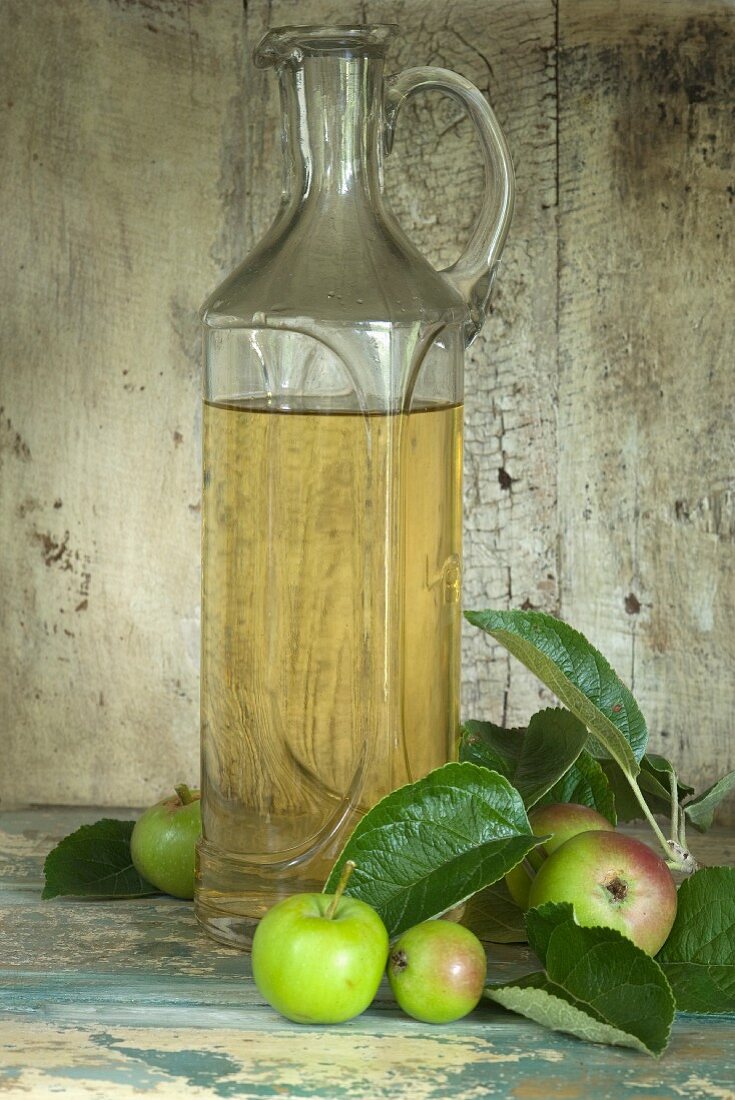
x: 344, y: 268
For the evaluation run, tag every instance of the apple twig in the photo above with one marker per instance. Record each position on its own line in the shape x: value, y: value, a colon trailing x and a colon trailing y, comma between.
x: 675, y: 816
x: 682, y: 826
x: 675, y: 850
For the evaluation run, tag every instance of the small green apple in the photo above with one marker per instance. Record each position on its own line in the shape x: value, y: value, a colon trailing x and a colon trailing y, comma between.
x: 612, y: 880
x: 163, y: 842
x: 319, y: 958
x: 562, y: 820
x: 437, y: 971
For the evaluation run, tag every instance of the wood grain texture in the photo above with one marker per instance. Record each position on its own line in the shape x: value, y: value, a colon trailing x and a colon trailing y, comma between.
x: 143, y: 161
x: 647, y: 349
x: 120, y: 999
x: 118, y: 196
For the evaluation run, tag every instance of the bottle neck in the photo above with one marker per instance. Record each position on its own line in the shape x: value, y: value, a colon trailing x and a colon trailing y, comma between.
x: 332, y: 109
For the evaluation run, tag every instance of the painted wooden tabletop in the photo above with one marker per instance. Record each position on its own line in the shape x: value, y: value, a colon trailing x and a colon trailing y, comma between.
x: 123, y: 999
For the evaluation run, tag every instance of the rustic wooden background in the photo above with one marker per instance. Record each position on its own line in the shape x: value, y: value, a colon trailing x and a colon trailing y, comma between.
x: 140, y: 161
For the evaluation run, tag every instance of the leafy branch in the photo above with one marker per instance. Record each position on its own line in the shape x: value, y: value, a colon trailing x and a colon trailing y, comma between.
x: 585, y: 683
x: 448, y: 840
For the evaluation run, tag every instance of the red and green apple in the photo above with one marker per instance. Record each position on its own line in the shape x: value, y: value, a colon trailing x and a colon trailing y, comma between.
x: 613, y: 880
x: 437, y: 971
x: 562, y: 820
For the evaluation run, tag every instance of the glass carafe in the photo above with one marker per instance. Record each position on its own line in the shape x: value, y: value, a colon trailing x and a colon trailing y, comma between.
x: 332, y: 500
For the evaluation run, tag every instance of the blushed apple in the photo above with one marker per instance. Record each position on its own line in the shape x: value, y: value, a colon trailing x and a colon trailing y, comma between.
x: 562, y: 820
x: 163, y: 842
x: 437, y: 971
x: 612, y: 880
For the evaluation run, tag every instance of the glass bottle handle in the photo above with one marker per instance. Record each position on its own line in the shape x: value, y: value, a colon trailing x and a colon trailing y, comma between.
x: 474, y: 272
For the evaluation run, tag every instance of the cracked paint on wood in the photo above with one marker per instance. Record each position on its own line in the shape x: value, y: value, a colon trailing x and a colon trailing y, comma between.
x: 647, y: 347
x: 118, y: 999
x: 599, y: 452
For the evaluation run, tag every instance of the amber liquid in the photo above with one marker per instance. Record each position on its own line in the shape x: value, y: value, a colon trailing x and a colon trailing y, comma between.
x: 330, y: 636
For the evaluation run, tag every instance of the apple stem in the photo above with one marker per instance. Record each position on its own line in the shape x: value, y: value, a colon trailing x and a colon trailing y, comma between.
x: 682, y: 827
x: 677, y: 856
x: 184, y: 794
x: 347, y: 870
x: 675, y: 814
x: 529, y: 867
x: 649, y: 816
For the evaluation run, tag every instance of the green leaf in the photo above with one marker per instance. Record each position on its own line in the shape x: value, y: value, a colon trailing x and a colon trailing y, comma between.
x: 494, y: 917
x: 543, y: 920
x: 94, y: 862
x: 579, y: 676
x: 701, y: 810
x: 627, y: 806
x: 532, y: 759
x: 662, y: 768
x: 491, y: 746
x: 653, y: 781
x: 656, y: 780
x: 698, y: 958
x: 431, y: 845
x: 550, y: 1005
x: 585, y: 783
x: 598, y: 985
x: 605, y: 974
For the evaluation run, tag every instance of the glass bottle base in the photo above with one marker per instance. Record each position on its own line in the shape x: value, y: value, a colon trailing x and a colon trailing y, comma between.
x: 232, y: 894
x: 220, y: 920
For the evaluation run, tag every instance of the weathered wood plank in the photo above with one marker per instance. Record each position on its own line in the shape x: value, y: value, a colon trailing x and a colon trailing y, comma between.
x: 114, y: 998
x: 129, y: 200
x: 599, y: 457
x: 647, y: 348
x: 121, y: 123
x: 106, y: 1058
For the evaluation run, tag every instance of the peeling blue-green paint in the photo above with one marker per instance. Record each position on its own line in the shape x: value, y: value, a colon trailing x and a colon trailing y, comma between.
x: 200, y: 1068
x: 137, y: 1076
x: 161, y: 1009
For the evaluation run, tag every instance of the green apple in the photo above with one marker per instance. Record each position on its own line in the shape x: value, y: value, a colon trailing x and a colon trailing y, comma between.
x: 163, y: 842
x: 437, y: 971
x: 319, y: 958
x: 612, y: 880
x: 562, y: 820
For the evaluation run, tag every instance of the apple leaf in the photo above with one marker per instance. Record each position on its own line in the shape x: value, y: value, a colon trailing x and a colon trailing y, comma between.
x: 585, y: 783
x: 542, y: 921
x: 653, y: 781
x: 698, y: 958
x: 579, y: 676
x: 431, y: 845
x: 549, y: 1004
x: 627, y: 808
x: 494, y: 917
x: 700, y: 810
x: 532, y: 759
x: 660, y: 768
x: 491, y: 746
x: 95, y: 862
x: 597, y: 985
x: 656, y: 780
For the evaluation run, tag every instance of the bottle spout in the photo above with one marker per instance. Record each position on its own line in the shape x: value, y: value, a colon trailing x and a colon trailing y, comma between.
x: 292, y: 44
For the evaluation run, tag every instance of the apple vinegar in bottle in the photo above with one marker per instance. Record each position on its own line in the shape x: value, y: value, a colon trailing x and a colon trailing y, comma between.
x: 332, y: 488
